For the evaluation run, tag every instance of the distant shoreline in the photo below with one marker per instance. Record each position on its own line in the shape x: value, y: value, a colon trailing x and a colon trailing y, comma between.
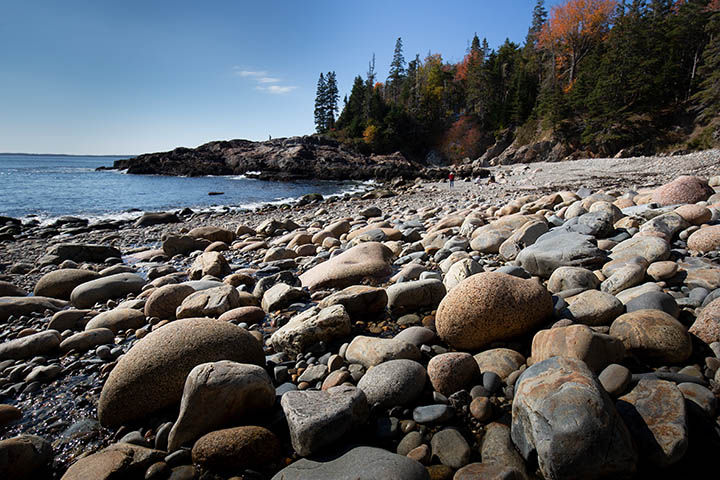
x: 60, y: 155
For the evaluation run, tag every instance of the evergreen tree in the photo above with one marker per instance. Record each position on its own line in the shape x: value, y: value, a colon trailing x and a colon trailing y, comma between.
x: 707, y: 100
x: 397, y: 71
x: 320, y: 97
x: 331, y: 100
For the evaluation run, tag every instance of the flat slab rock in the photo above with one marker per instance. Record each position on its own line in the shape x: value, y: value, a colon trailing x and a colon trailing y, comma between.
x: 359, y: 463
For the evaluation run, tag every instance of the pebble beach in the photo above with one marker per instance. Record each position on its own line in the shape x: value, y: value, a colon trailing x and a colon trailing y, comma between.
x: 552, y: 320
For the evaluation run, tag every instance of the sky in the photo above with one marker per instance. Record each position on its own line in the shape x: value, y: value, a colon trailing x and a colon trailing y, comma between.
x: 129, y: 77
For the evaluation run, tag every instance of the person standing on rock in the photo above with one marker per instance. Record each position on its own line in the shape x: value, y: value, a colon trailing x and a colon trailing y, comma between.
x: 451, y: 177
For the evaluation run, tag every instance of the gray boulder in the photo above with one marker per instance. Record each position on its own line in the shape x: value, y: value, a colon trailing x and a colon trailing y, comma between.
x: 560, y: 249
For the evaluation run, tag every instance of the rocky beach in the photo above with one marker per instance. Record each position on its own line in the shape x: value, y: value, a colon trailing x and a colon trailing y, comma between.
x: 548, y: 320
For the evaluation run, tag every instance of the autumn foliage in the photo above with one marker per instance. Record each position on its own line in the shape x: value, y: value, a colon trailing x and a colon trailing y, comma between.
x: 571, y: 31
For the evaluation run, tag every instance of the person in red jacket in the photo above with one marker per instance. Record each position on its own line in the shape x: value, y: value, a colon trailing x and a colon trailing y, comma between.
x: 451, y: 177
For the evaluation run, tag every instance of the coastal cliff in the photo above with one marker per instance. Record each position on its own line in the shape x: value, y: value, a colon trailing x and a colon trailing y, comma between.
x: 307, y: 157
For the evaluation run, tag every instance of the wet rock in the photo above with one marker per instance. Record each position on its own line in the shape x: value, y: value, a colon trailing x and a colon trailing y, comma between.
x: 310, y: 327
x: 491, y: 306
x: 40, y: 343
x: 317, y: 419
x: 359, y: 463
x: 653, y: 336
x: 450, y: 372
x: 371, y: 351
x: 597, y: 350
x: 26, y: 457
x: 561, y: 412
x: 211, y: 302
x: 114, y: 286
x: 392, y: 383
x: 218, y: 394
x: 117, y: 319
x: 84, y: 341
x: 18, y: 306
x: 152, y: 374
x: 654, y: 411
x: 183, y: 244
x: 60, y: 283
x: 369, y: 260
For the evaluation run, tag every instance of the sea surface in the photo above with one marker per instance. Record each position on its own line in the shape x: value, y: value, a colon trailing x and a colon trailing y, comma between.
x: 49, y: 186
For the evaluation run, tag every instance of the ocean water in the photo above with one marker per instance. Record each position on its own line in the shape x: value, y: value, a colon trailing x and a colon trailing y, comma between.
x: 49, y: 186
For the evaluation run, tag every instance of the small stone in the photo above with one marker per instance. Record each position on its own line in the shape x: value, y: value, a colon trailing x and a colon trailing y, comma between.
x: 451, y: 448
x: 432, y: 413
x: 481, y: 409
x: 237, y: 448
x: 615, y: 379
x: 450, y: 372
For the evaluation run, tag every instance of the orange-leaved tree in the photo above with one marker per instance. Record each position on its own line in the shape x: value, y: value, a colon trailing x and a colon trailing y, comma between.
x: 571, y: 31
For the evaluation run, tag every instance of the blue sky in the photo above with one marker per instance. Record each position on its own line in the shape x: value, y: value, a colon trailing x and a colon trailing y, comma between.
x: 128, y: 77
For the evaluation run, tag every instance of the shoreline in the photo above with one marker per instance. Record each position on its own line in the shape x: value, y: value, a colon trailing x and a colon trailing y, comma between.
x: 427, y: 227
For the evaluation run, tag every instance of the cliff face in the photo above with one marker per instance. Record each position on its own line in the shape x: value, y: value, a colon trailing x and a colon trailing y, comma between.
x: 280, y: 159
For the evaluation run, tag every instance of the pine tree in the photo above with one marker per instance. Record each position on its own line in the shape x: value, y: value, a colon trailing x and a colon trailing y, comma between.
x: 707, y: 99
x: 397, y: 71
x: 320, y: 96
x: 330, y: 100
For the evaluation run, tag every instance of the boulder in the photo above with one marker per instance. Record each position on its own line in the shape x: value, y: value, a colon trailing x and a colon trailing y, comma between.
x: 281, y: 296
x: 653, y: 249
x: 684, y: 189
x: 7, y: 289
x: 84, y: 341
x: 250, y: 315
x: 597, y: 350
x: 152, y: 374
x: 368, y: 260
x: 81, y: 252
x: 707, y: 325
x: 414, y: 296
x: 60, y: 283
x: 114, y: 286
x: 156, y: 218
x: 211, y: 302
x: 393, y: 383
x: 491, y: 306
x: 560, y: 249
x: 209, y: 263
x: 213, y: 234
x: 359, y: 463
x: 705, y: 240
x: 164, y: 301
x: 562, y: 414
x: 237, y: 448
x: 317, y: 419
x: 459, y: 271
x: 218, y: 394
x: 521, y: 238
x: 26, y: 457
x: 653, y: 336
x: 183, y: 244
x: 453, y: 371
x: 593, y: 308
x: 120, y: 460
x: 118, y: 319
x: 358, y: 300
x: 371, y: 351
x: 654, y: 411
x: 310, y: 327
x: 18, y: 306
x: 40, y: 343
x: 501, y: 361
x: 451, y: 448
x: 571, y: 278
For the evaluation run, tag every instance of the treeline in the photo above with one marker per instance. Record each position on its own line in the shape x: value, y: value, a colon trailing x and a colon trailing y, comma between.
x: 595, y: 75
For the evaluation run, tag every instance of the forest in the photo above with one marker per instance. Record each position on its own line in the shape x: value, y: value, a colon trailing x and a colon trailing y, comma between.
x: 592, y: 78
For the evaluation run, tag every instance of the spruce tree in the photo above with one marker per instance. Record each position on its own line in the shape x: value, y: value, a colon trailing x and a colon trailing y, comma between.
x: 320, y: 96
x: 397, y: 71
x: 330, y: 100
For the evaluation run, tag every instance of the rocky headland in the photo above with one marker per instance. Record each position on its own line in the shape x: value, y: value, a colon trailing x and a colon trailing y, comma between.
x: 308, y: 157
x: 555, y: 320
